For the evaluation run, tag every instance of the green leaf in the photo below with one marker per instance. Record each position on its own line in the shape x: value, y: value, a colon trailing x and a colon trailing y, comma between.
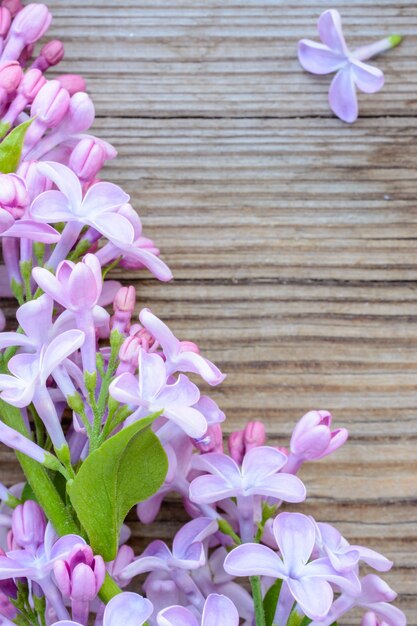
x: 126, y: 469
x: 271, y: 601
x: 11, y: 148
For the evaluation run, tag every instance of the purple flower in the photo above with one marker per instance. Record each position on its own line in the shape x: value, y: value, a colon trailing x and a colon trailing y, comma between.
x: 375, y: 595
x: 308, y: 582
x: 151, y: 393
x: 127, y: 609
x: 218, y: 610
x: 313, y: 439
x: 332, y: 55
x: 258, y: 476
x: 37, y: 566
x: 97, y: 209
x: 178, y: 357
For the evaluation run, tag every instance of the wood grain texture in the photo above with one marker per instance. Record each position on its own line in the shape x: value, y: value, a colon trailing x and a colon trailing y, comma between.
x: 291, y: 235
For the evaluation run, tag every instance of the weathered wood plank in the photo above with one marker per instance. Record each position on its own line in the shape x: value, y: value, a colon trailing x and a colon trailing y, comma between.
x: 211, y: 58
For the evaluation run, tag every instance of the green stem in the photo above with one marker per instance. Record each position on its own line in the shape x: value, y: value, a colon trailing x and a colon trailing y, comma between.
x: 255, y: 582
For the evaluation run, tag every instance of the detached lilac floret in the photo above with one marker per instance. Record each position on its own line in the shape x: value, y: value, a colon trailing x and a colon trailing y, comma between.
x: 218, y: 610
x: 333, y: 55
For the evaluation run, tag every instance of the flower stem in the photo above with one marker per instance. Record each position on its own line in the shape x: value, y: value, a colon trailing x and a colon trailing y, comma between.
x: 367, y: 52
x: 255, y: 582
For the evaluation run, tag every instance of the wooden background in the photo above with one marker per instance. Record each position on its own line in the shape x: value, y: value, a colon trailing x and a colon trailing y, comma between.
x: 290, y: 234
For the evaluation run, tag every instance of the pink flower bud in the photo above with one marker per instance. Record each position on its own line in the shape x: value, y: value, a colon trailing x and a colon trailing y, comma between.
x: 236, y: 446
x: 13, y: 194
x: 51, y: 104
x: 31, y: 23
x: 36, y: 182
x: 189, y: 346
x: 81, y: 575
x: 28, y: 525
x: 52, y: 52
x: 73, y: 83
x: 129, y: 354
x: 87, y: 158
x: 124, y: 557
x: 212, y: 441
x: 32, y: 83
x: 10, y: 76
x: 254, y: 435
x: 123, y: 306
x: 14, y: 6
x: 81, y: 113
x: 5, y: 21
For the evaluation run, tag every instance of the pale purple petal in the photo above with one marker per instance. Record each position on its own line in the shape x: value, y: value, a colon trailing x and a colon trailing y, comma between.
x: 219, y: 610
x: 154, y: 264
x: 342, y: 95
x: 152, y: 374
x: 295, y: 535
x: 390, y: 615
x: 155, y: 557
x: 29, y: 229
x: 181, y: 393
x: 261, y: 462
x: 314, y: 596
x: 188, y: 419
x: 50, y: 285
x: 64, y: 545
x: 367, y: 78
x: 35, y: 318
x: 125, y: 389
x: 330, y: 30
x: 197, y: 364
x: 8, y: 339
x: 112, y: 225
x: 374, y: 589
x: 252, y: 559
x: 322, y: 568
x: 281, y: 486
x: 219, y: 465
x: 127, y: 609
x: 374, y: 559
x: 52, y: 206
x: 58, y: 350
x: 210, y: 410
x: 318, y: 58
x: 176, y: 616
x: 196, y: 530
x: 66, y: 181
x: 160, y: 331
x: 103, y: 197
x: 208, y: 489
x: 108, y: 292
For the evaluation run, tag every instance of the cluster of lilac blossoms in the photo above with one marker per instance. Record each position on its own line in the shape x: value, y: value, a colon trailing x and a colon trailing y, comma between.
x: 106, y: 412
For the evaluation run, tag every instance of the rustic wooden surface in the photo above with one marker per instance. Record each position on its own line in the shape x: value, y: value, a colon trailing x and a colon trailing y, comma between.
x: 291, y: 235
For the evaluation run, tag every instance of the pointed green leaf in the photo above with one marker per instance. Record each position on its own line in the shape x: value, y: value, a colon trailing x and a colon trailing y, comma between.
x: 11, y: 148
x: 128, y: 468
x: 271, y: 600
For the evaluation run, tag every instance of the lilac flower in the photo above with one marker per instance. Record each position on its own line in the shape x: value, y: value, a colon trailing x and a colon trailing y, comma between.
x: 77, y: 287
x: 26, y: 228
x: 217, y: 610
x: 178, y: 358
x: 80, y: 577
x: 37, y: 566
x: 342, y: 555
x: 332, y: 55
x: 127, y: 608
x: 97, y: 209
x: 259, y: 476
x: 28, y: 526
x: 375, y: 595
x: 308, y: 582
x: 313, y: 439
x: 151, y: 393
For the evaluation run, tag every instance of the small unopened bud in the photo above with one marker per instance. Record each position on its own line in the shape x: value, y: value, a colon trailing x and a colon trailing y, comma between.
x: 13, y: 194
x: 10, y: 76
x: 81, y: 113
x: 129, y: 354
x: 32, y: 83
x: 53, y: 52
x: 5, y: 21
x: 51, y: 104
x: 28, y: 525
x: 125, y: 556
x: 123, y: 306
x: 36, y: 182
x: 87, y: 158
x: 212, y: 441
x: 254, y: 435
x: 14, y: 6
x: 236, y: 446
x: 73, y: 83
x: 31, y: 23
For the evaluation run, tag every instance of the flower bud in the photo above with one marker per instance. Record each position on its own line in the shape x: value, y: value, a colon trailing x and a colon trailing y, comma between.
x: 125, y: 556
x: 52, y: 52
x: 123, y: 306
x: 73, y: 83
x: 10, y: 76
x: 14, y: 6
x: 36, y: 182
x: 32, y: 83
x: 13, y: 194
x: 236, y: 446
x: 28, y: 525
x: 31, y: 23
x: 51, y: 104
x: 87, y: 158
x: 254, y: 435
x: 5, y: 21
x: 212, y: 440
x: 312, y: 437
x: 81, y: 575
